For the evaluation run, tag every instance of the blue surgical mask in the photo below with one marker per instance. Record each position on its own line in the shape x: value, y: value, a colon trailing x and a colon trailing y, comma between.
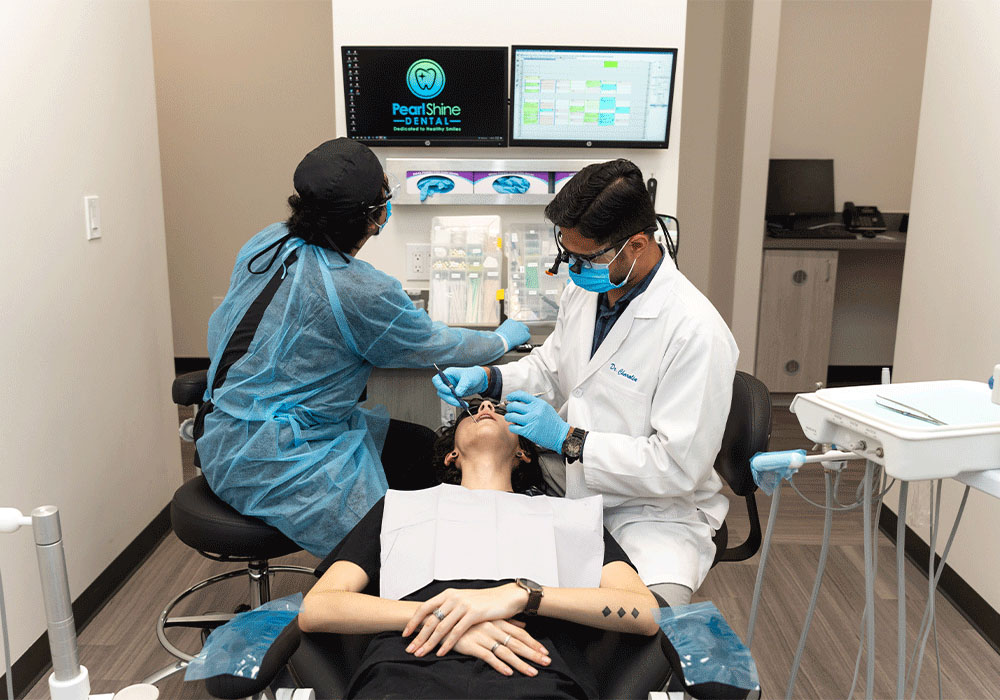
x: 597, y: 278
x: 388, y: 213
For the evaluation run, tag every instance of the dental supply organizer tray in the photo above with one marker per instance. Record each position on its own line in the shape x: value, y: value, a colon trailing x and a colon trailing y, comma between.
x: 909, y: 448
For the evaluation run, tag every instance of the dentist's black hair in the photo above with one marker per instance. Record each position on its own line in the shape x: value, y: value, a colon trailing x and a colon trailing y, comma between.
x: 605, y: 201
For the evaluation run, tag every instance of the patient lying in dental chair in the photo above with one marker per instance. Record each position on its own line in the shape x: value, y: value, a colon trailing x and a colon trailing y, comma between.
x: 474, y: 589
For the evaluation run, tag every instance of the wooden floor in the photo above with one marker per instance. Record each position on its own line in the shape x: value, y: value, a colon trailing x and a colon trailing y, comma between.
x: 119, y: 646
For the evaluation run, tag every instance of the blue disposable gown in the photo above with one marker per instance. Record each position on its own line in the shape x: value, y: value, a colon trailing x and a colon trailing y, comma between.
x: 287, y: 441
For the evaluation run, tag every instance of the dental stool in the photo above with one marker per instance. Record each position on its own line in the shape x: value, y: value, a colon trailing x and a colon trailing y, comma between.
x: 202, y: 521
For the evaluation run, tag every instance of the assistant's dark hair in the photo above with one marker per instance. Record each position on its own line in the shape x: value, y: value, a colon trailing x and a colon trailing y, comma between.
x: 525, y: 476
x: 319, y: 224
x: 605, y: 201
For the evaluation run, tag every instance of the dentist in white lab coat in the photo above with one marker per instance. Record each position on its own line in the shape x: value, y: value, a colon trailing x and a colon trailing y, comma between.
x: 635, y: 383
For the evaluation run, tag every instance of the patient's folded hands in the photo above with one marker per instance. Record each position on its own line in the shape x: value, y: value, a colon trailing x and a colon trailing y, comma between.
x: 505, y: 645
x: 454, y: 611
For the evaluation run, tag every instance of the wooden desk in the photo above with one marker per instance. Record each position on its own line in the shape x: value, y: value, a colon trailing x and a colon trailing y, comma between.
x: 800, y: 296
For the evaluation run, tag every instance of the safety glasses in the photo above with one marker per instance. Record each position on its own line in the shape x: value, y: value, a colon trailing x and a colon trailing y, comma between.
x: 391, y: 186
x: 500, y: 408
x: 578, y: 261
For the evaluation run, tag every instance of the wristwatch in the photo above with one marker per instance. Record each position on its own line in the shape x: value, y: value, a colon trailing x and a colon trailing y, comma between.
x: 572, y: 447
x: 534, y: 595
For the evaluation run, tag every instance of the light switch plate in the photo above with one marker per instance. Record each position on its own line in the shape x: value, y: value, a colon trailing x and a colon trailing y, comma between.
x: 92, y: 216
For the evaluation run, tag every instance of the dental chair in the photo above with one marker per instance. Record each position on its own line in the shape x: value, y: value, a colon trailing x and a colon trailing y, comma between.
x: 627, y: 666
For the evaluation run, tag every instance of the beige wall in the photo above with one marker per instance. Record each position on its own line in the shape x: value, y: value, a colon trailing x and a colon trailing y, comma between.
x: 699, y: 138
x: 764, y: 32
x: 711, y: 185
x: 86, y: 421
x: 729, y: 155
x: 244, y: 88
x: 947, y: 325
x: 718, y: 43
x: 848, y: 88
x: 816, y: 44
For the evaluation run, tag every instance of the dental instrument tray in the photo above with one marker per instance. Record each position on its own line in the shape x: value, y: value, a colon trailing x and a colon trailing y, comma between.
x: 917, y: 430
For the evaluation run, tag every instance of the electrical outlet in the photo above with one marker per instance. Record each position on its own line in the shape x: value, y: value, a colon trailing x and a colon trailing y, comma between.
x: 418, y: 261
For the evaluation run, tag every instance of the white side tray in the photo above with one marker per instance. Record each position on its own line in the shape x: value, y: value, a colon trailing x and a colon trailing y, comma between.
x: 909, y: 448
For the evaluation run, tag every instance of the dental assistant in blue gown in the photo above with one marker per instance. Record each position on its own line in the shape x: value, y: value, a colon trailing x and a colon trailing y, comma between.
x: 282, y: 435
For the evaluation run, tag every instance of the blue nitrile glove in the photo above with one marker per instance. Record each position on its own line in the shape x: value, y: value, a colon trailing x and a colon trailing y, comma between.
x: 466, y: 380
x: 535, y: 419
x: 511, y: 184
x: 434, y: 184
x: 513, y: 332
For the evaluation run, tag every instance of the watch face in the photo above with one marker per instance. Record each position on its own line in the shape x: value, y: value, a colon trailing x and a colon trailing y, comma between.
x: 572, y: 446
x: 529, y: 584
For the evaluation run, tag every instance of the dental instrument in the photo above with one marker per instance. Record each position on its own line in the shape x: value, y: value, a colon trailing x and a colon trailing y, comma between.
x: 503, y: 404
x: 905, y: 410
x: 461, y: 402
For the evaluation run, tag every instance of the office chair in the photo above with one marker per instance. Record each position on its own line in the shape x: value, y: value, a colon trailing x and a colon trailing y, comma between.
x: 748, y: 430
x: 217, y: 531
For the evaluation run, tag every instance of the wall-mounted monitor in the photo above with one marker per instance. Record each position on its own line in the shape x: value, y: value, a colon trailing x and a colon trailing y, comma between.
x: 591, y: 97
x: 426, y: 95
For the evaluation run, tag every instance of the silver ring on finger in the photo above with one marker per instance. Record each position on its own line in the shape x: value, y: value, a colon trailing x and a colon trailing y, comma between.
x: 494, y: 647
x: 504, y: 642
x: 438, y: 614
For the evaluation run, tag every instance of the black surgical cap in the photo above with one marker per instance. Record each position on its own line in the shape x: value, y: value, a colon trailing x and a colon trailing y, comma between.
x: 341, y: 174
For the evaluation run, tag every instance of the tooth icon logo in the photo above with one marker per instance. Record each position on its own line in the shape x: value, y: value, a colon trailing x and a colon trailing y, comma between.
x: 425, y: 78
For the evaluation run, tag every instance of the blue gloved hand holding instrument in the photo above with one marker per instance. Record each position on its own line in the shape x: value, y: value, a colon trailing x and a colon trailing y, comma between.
x: 535, y: 419
x: 455, y: 382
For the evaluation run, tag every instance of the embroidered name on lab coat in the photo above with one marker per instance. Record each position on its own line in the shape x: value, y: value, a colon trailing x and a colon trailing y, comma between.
x: 623, y: 373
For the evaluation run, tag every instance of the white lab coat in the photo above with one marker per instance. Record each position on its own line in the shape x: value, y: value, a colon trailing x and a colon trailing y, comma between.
x: 655, y: 398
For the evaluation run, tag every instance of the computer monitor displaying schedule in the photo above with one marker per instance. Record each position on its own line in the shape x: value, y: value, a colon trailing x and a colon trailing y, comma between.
x: 591, y: 97
x: 426, y: 95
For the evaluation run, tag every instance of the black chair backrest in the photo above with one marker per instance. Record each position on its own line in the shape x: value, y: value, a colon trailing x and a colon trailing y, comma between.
x: 748, y: 430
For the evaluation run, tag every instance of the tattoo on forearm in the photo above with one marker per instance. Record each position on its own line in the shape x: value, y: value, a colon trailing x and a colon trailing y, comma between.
x: 621, y: 612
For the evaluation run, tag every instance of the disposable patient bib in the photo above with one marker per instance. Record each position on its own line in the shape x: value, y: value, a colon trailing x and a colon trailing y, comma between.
x: 450, y: 532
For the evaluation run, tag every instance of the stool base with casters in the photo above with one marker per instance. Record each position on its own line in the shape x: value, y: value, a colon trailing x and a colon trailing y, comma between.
x: 204, y: 522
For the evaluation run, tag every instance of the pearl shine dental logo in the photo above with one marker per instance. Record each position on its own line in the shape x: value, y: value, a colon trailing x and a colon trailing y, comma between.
x: 425, y: 78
